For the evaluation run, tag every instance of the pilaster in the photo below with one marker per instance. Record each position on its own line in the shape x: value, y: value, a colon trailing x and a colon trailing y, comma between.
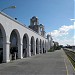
x: 20, y: 50
x: 6, y: 52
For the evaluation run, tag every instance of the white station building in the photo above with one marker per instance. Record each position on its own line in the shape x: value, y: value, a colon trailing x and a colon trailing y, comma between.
x: 18, y: 41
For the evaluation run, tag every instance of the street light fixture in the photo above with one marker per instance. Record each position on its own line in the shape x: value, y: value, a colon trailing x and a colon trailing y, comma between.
x: 10, y: 7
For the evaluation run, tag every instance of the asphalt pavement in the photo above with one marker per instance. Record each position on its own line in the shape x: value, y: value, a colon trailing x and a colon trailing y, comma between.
x: 51, y: 63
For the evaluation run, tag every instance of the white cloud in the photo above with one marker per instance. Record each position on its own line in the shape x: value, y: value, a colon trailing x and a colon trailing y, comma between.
x: 72, y: 19
x: 67, y: 41
x: 63, y: 30
x: 61, y: 35
x: 74, y: 25
x: 74, y: 37
x: 64, y: 40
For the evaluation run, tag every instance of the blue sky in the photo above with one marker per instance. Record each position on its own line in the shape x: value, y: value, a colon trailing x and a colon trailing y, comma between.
x: 53, y: 14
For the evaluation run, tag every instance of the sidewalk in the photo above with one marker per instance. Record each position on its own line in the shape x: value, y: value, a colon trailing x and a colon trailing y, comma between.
x: 69, y: 67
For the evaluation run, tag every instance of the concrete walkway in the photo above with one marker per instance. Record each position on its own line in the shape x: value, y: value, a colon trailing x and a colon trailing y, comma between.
x: 52, y: 63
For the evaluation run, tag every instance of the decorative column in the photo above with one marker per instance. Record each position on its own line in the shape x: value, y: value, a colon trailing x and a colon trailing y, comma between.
x: 6, y: 51
x: 34, y: 49
x: 38, y: 49
x: 41, y: 49
x: 20, y: 50
x: 29, y: 50
x: 45, y: 49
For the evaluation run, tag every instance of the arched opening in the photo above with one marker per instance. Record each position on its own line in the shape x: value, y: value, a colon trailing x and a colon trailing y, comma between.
x: 14, y: 44
x: 32, y: 45
x: 2, y: 43
x: 25, y: 45
x: 43, y: 47
x: 1, y: 46
x: 37, y: 45
x: 40, y: 46
x: 43, y: 50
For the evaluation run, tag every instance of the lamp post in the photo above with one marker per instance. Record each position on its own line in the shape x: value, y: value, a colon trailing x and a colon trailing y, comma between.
x: 10, y: 7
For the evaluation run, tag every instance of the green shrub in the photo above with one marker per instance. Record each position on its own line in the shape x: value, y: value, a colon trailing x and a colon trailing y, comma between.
x: 51, y: 49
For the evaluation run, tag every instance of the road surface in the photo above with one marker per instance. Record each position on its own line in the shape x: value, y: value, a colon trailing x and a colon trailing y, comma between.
x: 51, y: 63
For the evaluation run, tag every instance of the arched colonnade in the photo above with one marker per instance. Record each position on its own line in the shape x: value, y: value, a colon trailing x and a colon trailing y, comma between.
x: 17, y: 47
